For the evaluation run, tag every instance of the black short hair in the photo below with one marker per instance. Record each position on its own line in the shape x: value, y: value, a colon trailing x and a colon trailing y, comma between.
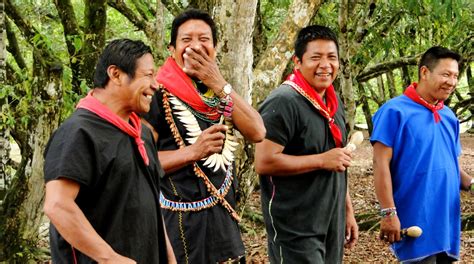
x: 311, y: 33
x: 432, y: 56
x: 122, y: 53
x: 190, y: 14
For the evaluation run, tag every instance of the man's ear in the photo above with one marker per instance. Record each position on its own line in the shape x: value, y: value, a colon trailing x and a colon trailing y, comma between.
x: 424, y: 71
x: 296, y: 62
x: 114, y: 74
x: 171, y: 49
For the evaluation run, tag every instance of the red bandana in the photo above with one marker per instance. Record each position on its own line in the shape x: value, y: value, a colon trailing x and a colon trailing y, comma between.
x: 134, y: 130
x: 180, y: 85
x: 328, y: 110
x: 411, y: 93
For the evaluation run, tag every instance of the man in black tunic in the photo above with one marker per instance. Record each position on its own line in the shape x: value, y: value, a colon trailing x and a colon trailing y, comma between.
x: 301, y: 163
x: 194, y: 114
x: 101, y: 169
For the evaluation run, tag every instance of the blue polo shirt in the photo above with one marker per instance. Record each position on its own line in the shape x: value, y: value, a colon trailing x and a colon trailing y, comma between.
x: 425, y: 175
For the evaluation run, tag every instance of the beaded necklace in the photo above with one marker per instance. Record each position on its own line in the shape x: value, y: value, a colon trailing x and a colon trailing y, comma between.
x: 217, y: 195
x: 208, y: 98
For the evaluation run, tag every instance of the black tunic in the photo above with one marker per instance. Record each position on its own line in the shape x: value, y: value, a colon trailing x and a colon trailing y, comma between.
x: 209, y: 235
x: 304, y: 214
x: 118, y: 192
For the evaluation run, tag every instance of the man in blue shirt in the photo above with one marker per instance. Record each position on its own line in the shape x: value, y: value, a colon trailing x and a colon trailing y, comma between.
x: 416, y: 168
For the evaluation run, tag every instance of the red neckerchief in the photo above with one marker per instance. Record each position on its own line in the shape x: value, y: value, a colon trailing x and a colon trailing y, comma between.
x: 134, y: 130
x: 411, y: 93
x: 328, y: 110
x: 180, y: 85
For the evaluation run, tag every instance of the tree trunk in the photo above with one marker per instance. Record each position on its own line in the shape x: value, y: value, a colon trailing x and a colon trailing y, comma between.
x: 72, y: 36
x: 22, y: 214
x: 236, y: 60
x: 2, y: 46
x: 405, y: 73
x: 235, y: 50
x: 160, y: 47
x: 4, y: 161
x: 95, y: 16
x: 259, y: 38
x: 23, y: 203
x: 381, y: 88
x: 205, y: 5
x: 269, y: 70
x: 470, y: 82
x: 391, y: 84
x: 345, y: 78
x: 365, y: 108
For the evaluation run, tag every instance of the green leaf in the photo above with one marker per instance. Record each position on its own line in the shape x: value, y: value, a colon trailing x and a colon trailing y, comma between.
x: 77, y: 43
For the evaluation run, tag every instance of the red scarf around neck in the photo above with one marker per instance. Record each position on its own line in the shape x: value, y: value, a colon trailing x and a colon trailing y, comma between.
x: 180, y: 85
x: 134, y: 130
x: 297, y: 81
x: 411, y: 93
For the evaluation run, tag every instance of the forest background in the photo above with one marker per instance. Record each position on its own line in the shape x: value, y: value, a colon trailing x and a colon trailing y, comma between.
x: 48, y: 51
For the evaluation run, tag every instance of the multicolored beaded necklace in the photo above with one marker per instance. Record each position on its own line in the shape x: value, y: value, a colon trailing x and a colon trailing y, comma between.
x: 209, y: 99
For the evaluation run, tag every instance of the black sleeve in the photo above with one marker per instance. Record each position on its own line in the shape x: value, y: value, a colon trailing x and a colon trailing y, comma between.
x: 71, y: 154
x: 279, y: 115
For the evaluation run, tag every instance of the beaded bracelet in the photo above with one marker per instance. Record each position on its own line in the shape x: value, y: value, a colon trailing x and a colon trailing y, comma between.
x: 388, y: 212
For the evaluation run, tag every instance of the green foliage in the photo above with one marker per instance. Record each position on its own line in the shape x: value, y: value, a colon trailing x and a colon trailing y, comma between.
x: 273, y: 13
x: 119, y: 27
x: 327, y: 15
x: 398, y: 27
x: 6, y: 116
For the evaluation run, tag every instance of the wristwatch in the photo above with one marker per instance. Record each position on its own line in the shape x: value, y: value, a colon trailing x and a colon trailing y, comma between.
x: 226, y: 90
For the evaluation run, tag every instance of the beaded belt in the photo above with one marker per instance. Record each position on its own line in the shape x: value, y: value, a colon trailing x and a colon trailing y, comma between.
x: 201, y: 204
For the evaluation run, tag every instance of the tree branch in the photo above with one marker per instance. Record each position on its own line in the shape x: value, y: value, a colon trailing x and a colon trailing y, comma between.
x: 467, y: 119
x: 259, y: 40
x: 172, y: 7
x: 14, y: 77
x: 136, y: 20
x: 361, y: 30
x: 46, y: 57
x: 378, y: 28
x: 13, y: 47
x: 153, y: 9
x: 95, y: 21
x: 384, y: 67
x: 73, y: 38
x: 69, y: 22
x: 128, y: 13
x: 142, y: 9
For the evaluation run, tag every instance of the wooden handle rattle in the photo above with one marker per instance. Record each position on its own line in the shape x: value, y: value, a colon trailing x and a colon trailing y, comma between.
x: 355, y: 140
x: 412, y: 231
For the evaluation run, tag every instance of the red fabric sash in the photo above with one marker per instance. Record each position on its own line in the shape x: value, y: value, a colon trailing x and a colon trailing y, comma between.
x: 180, y: 85
x: 297, y: 81
x: 134, y: 130
x: 411, y: 93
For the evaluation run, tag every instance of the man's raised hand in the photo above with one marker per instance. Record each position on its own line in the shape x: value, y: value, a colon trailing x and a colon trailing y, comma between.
x: 198, y: 64
x: 209, y: 142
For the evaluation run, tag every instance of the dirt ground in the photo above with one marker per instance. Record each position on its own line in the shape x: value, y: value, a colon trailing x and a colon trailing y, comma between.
x: 369, y: 248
